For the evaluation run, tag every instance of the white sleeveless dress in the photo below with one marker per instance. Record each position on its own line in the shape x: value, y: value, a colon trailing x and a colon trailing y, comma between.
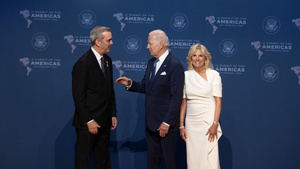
x: 201, y: 154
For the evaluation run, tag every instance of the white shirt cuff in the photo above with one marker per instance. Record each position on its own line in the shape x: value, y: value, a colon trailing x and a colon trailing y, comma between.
x: 129, y: 86
x: 90, y: 121
x: 166, y: 124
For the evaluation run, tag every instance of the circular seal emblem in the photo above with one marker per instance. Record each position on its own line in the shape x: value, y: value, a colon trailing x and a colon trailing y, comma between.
x: 40, y: 41
x: 269, y: 72
x: 271, y: 25
x: 228, y: 47
x: 87, y: 19
x: 179, y: 22
x: 132, y: 44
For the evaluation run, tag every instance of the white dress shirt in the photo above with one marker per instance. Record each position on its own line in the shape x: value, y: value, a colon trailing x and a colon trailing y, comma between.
x: 161, y: 60
x: 98, y: 56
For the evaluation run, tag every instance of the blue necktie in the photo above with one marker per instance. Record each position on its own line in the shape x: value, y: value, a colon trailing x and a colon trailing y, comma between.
x: 153, y: 70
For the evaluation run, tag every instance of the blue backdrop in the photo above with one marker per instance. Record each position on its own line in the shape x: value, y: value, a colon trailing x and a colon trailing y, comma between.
x: 255, y: 46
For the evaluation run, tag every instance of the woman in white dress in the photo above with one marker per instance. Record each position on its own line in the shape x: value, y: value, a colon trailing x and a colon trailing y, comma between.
x: 200, y: 110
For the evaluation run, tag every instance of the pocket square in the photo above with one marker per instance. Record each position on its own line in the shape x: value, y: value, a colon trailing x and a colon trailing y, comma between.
x: 163, y: 73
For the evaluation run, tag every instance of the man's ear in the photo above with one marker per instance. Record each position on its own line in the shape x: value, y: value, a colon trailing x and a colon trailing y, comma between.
x: 98, y: 42
x: 162, y: 45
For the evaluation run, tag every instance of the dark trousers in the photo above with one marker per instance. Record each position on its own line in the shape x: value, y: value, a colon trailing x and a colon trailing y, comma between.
x: 158, y: 147
x: 97, y: 144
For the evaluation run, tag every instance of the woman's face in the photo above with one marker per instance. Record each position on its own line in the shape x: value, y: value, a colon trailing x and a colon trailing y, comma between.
x: 198, y: 59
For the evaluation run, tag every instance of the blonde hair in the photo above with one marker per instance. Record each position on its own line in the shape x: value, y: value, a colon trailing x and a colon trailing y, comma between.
x: 203, y: 50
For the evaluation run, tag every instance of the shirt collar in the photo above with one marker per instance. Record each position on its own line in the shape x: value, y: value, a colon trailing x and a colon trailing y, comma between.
x: 163, y: 56
x: 98, y: 56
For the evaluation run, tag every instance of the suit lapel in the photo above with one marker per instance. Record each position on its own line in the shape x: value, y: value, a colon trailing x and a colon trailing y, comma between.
x: 161, y: 69
x: 95, y: 64
x: 149, y: 73
x: 106, y: 66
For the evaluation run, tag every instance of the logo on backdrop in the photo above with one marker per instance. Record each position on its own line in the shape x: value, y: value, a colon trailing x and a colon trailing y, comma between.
x: 262, y: 47
x: 131, y: 18
x: 70, y: 40
x: 269, y: 72
x: 118, y: 65
x: 179, y: 22
x: 40, y: 41
x: 40, y: 15
x: 129, y: 66
x: 257, y: 47
x: 212, y: 21
x: 26, y: 62
x: 216, y: 22
x: 230, y: 69
x: 26, y: 15
x: 39, y: 63
x: 271, y: 25
x: 296, y: 70
x: 87, y: 19
x: 182, y: 43
x: 297, y: 23
x: 228, y: 47
x: 132, y: 44
x: 75, y: 40
x: 120, y: 19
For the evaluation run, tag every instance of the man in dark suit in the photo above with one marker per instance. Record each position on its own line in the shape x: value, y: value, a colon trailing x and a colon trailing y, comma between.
x: 93, y: 94
x: 163, y: 85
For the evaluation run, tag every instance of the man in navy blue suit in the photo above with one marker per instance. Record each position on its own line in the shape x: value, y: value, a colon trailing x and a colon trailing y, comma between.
x: 163, y: 85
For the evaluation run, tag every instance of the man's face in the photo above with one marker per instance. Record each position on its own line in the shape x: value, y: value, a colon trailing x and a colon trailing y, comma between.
x: 154, y: 46
x: 106, y: 42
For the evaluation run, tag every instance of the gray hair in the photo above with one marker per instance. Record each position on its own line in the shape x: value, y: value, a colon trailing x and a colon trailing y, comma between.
x: 161, y: 36
x: 96, y: 33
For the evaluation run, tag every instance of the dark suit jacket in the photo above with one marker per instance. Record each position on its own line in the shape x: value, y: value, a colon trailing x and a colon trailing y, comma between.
x: 163, y: 93
x: 93, y: 91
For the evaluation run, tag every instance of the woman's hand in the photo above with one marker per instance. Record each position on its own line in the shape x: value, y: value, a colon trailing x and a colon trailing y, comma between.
x: 212, y: 132
x: 183, y: 134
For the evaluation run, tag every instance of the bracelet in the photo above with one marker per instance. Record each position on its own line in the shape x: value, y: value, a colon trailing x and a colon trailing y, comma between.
x: 181, y: 127
x: 215, y: 122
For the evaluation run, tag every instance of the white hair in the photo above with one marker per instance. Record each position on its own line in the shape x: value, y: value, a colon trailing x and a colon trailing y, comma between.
x: 161, y: 36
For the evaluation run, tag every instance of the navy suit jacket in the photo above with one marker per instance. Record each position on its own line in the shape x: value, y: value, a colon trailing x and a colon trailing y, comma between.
x: 163, y: 93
